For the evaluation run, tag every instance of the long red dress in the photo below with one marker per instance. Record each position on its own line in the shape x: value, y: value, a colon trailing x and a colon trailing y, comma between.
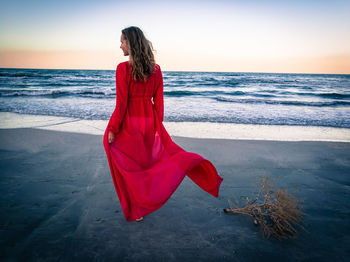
x: 146, y: 165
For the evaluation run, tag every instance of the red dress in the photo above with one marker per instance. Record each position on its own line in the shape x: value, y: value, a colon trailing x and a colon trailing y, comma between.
x: 146, y: 165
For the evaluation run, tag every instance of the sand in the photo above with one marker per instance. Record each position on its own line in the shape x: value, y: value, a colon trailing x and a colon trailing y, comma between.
x: 184, y: 129
x: 58, y: 202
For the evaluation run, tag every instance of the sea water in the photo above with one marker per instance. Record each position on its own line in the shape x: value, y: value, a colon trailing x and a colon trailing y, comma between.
x: 215, y: 104
x: 219, y: 97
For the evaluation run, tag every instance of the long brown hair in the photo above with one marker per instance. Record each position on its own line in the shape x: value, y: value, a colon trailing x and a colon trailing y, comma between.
x: 140, y: 53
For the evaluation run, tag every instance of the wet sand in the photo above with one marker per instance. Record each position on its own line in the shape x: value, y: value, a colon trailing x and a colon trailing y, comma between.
x: 58, y: 202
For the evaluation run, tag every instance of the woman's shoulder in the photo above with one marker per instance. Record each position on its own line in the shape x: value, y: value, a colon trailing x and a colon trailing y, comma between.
x: 124, y: 64
x: 123, y: 68
x: 127, y: 64
x: 157, y: 69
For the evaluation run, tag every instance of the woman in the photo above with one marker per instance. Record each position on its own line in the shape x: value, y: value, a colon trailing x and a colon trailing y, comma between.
x: 146, y: 165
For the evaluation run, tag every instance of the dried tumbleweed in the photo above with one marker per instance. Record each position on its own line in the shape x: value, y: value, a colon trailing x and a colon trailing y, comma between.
x: 277, y: 215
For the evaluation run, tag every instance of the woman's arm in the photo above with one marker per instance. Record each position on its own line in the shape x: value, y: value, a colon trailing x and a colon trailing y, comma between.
x: 159, y: 98
x: 122, y: 99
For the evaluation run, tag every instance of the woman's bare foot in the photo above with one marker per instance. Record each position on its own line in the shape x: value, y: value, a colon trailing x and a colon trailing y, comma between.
x: 139, y: 219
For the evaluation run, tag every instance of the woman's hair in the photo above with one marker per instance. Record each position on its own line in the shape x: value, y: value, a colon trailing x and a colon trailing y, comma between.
x: 141, y: 53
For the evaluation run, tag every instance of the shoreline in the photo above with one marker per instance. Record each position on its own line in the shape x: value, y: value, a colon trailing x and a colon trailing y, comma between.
x: 9, y: 120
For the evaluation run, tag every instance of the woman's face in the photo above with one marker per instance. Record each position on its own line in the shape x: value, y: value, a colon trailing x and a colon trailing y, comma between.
x: 124, y: 45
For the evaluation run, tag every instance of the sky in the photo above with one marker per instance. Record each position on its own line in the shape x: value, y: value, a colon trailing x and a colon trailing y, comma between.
x: 309, y: 36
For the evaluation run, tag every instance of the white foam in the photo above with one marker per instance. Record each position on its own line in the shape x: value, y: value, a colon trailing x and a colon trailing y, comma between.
x: 185, y: 129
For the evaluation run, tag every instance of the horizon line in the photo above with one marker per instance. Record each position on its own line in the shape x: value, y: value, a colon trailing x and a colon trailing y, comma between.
x: 181, y: 71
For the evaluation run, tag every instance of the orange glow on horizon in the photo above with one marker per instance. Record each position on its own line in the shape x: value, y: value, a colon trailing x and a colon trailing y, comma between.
x: 333, y: 64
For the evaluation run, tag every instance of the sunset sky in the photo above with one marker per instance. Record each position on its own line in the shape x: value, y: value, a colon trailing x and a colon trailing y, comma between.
x: 310, y: 36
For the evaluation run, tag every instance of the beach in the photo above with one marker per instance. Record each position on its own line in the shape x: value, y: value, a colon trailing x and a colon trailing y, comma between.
x: 254, y: 94
x: 58, y: 202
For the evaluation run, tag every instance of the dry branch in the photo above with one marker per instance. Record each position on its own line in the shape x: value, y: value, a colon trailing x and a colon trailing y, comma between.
x: 277, y: 213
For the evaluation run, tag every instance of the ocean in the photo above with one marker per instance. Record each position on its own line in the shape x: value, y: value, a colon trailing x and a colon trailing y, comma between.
x: 219, y: 97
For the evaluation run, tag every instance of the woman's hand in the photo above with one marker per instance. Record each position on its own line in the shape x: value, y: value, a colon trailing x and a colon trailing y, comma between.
x: 110, y: 137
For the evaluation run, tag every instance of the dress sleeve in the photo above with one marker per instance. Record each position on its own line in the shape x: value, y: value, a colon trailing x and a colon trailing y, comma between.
x: 158, y: 98
x: 122, y: 100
